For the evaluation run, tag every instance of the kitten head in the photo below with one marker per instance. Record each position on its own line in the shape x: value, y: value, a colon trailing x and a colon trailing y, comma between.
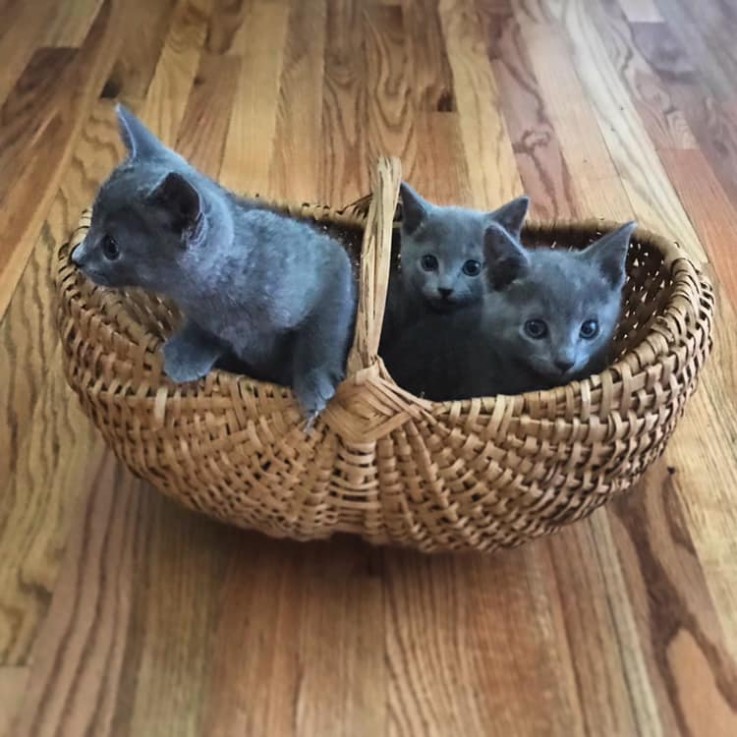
x: 443, y: 258
x: 555, y: 311
x: 145, y: 217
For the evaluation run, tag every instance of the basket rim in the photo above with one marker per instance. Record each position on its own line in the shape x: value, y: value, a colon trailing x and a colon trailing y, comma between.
x: 691, y: 291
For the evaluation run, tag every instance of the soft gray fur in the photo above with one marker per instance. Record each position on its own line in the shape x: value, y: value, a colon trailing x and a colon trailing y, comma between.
x: 453, y: 239
x: 486, y: 349
x: 269, y: 289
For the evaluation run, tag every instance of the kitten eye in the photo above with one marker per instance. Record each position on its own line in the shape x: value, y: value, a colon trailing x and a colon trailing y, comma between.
x: 471, y: 268
x: 429, y: 262
x: 110, y: 248
x: 590, y: 329
x: 536, y: 329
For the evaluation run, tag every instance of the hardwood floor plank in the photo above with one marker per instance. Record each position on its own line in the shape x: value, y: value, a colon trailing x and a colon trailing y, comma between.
x: 23, y: 24
x: 664, y: 121
x: 346, y: 161
x: 295, y: 171
x: 225, y: 24
x: 204, y: 126
x: 12, y: 685
x: 706, y: 30
x: 343, y: 689
x: 144, y: 29
x: 679, y: 630
x: 706, y: 470
x: 249, y: 144
x: 611, y: 675
x: 545, y: 176
x: 46, y: 470
x: 713, y: 125
x: 595, y: 184
x: 432, y: 78
x: 68, y: 23
x: 389, y: 120
x: 175, y: 605
x: 710, y: 210
x: 497, y: 611
x: 641, y: 11
x: 488, y: 150
x: 654, y: 202
x: 39, y: 124
x: 442, y: 177
x: 78, y: 656
x: 176, y: 69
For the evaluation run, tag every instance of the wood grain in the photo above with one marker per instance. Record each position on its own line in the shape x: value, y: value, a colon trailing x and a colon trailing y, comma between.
x: 252, y: 126
x: 38, y: 125
x: 295, y: 166
x: 122, y: 615
x: 537, y: 151
x: 494, y: 178
x: 78, y: 655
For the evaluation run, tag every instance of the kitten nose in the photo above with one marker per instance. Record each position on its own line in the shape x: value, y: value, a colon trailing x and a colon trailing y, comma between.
x: 444, y: 292
x: 564, y: 364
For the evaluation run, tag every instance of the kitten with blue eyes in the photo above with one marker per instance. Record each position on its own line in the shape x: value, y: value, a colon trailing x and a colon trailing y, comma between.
x: 548, y: 319
x: 253, y: 284
x: 442, y: 262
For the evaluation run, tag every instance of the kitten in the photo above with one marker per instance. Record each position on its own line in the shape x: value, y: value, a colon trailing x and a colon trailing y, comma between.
x: 548, y: 318
x: 269, y: 289
x: 442, y: 257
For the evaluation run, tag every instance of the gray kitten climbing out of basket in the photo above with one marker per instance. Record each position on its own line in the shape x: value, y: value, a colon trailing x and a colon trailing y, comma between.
x: 252, y: 283
x: 548, y: 318
x: 442, y: 263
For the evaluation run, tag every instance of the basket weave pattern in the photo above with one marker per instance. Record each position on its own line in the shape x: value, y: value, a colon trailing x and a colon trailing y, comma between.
x: 471, y: 475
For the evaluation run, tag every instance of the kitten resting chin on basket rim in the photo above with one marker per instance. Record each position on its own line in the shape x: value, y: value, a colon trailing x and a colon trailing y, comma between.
x: 252, y: 283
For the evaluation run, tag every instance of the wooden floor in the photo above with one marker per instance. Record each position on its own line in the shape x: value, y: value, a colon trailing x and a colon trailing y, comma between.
x: 123, y: 615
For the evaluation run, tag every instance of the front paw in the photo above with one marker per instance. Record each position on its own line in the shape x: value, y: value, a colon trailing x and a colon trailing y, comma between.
x: 181, y: 362
x: 314, y: 390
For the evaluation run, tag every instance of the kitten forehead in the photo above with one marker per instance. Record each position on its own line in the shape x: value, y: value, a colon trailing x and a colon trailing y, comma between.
x: 560, y: 281
x: 452, y: 225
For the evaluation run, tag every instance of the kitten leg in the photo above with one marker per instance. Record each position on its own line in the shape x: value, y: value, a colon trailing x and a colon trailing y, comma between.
x: 191, y: 353
x: 321, y: 347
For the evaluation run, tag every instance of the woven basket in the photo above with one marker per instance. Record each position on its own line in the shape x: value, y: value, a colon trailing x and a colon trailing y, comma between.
x: 471, y: 475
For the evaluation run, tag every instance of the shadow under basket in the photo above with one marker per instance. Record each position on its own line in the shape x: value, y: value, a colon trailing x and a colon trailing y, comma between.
x: 471, y: 475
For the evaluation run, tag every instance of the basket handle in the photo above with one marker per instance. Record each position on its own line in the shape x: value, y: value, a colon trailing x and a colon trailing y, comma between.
x: 376, y: 253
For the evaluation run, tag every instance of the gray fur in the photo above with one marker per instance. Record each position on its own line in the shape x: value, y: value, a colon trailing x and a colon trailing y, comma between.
x: 454, y: 236
x: 484, y: 350
x: 269, y: 289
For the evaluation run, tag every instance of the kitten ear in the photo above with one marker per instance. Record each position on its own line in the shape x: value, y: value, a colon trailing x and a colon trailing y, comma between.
x: 512, y: 215
x: 179, y: 199
x: 138, y: 139
x: 610, y: 253
x: 414, y: 208
x: 506, y: 258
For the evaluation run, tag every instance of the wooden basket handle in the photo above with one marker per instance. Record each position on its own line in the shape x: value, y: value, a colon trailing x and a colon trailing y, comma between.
x: 376, y: 253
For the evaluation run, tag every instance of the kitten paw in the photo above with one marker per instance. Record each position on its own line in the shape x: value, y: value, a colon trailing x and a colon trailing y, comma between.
x: 182, y: 363
x: 314, y: 391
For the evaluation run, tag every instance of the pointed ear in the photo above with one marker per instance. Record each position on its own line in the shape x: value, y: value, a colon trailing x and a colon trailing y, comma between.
x: 506, y: 258
x: 610, y: 253
x: 138, y: 139
x: 512, y: 215
x: 180, y: 200
x: 414, y: 208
